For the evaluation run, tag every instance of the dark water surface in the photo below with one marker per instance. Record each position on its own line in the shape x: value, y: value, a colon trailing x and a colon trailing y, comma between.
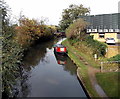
x: 45, y: 74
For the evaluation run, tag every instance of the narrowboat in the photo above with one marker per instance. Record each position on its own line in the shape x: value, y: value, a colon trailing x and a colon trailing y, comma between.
x: 59, y: 48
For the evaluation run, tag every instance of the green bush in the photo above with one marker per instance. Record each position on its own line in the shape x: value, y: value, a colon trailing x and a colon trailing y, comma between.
x: 99, y: 48
x: 96, y: 47
x: 11, y: 54
x: 115, y: 58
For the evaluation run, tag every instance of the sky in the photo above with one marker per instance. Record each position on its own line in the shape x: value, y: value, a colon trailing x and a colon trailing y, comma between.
x: 52, y: 9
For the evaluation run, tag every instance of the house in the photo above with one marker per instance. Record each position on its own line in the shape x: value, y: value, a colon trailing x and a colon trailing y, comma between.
x: 101, y: 36
x: 104, y: 26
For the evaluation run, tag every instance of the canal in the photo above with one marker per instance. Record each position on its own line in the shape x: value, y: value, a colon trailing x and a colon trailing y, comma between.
x: 45, y: 74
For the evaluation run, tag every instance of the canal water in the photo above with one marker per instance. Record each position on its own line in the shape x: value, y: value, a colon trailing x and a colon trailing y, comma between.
x: 46, y: 74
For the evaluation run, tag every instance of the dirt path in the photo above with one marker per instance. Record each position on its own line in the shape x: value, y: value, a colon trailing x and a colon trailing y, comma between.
x: 91, y: 72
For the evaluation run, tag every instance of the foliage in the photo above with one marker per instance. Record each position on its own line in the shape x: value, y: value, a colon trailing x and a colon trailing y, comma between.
x: 115, y: 58
x: 53, y: 28
x: 11, y: 53
x: 31, y: 30
x: 11, y: 58
x: 77, y: 29
x: 90, y: 45
x: 72, y: 13
x: 97, y: 47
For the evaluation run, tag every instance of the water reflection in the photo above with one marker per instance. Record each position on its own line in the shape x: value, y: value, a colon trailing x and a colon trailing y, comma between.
x: 70, y: 67
x: 32, y: 59
x: 43, y: 76
x: 36, y: 54
x: 61, y: 59
x: 65, y: 61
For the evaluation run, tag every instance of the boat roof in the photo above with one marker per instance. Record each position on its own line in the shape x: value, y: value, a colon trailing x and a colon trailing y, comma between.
x: 59, y: 45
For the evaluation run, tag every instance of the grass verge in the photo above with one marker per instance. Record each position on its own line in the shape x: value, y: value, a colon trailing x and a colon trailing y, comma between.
x: 86, y: 52
x: 109, y: 81
x: 83, y: 69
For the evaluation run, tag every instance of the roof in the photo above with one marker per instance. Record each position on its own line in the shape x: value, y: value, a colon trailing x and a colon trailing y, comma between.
x: 58, y: 45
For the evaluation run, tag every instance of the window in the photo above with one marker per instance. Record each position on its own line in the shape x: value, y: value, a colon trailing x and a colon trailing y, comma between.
x: 101, y: 35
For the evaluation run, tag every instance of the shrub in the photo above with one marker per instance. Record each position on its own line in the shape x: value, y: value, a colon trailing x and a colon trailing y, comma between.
x: 98, y: 48
x: 95, y: 46
x: 12, y: 53
x: 115, y: 58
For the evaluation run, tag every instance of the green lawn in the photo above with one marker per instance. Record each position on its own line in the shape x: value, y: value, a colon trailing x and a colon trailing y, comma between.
x: 109, y: 82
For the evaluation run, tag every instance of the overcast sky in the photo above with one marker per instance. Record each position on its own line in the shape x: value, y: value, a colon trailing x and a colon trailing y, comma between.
x: 52, y: 9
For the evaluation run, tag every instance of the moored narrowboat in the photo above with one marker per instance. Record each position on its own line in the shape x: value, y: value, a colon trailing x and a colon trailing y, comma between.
x: 58, y: 48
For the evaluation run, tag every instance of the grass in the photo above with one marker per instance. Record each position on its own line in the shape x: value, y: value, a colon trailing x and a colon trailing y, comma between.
x: 109, y: 82
x: 83, y: 69
x: 85, y: 51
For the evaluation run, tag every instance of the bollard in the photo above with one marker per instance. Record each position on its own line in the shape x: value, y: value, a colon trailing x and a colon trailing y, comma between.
x: 95, y: 56
x: 101, y: 66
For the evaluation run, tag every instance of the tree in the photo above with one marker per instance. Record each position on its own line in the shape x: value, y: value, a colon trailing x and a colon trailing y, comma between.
x: 11, y: 53
x: 71, y: 14
x: 77, y: 29
x: 28, y: 31
x: 31, y: 30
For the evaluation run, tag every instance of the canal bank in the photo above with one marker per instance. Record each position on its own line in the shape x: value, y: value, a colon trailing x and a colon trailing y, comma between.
x: 85, y: 73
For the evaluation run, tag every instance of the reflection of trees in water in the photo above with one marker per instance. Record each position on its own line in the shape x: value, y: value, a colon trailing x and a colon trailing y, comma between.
x: 70, y: 67
x: 24, y: 87
x: 33, y: 57
x: 36, y: 54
